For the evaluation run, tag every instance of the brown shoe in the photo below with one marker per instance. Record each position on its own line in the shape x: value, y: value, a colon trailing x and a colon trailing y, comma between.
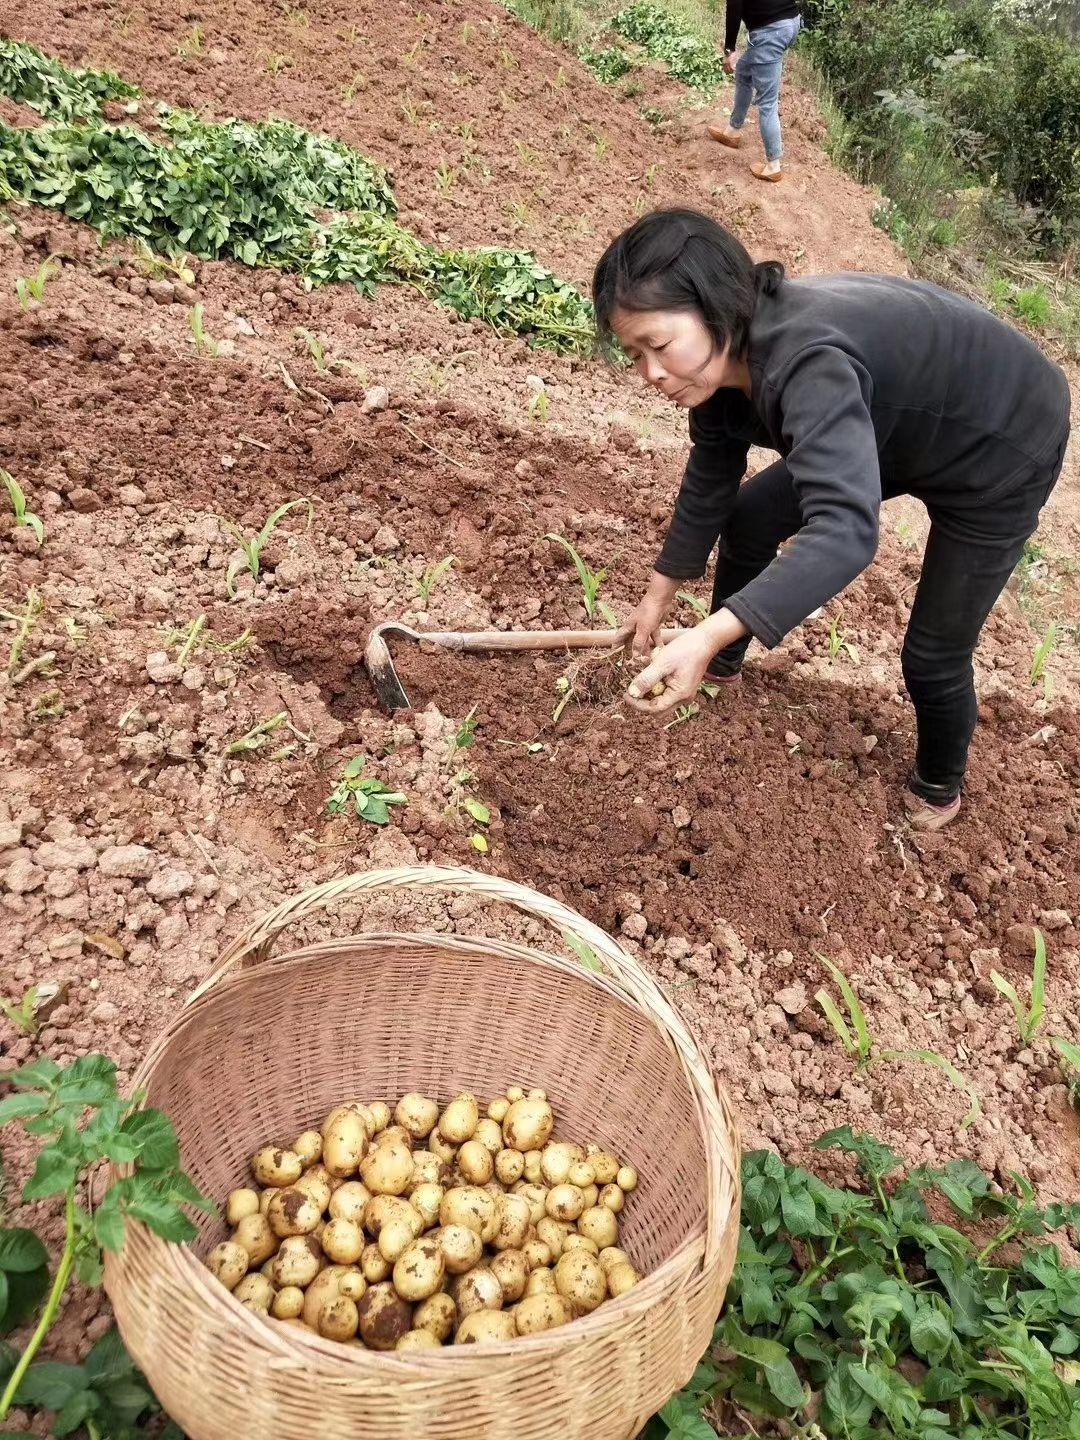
x: 758, y: 172
x: 721, y: 136
x: 922, y: 815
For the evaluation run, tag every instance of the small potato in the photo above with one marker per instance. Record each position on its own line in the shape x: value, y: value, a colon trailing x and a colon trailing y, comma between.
x: 349, y: 1201
x: 345, y: 1143
x: 241, y: 1203
x: 292, y: 1212
x: 553, y: 1233
x: 541, y: 1312
x: 534, y: 1167
x: 418, y: 1340
x: 605, y: 1167
x: 514, y: 1219
x: 297, y: 1262
x: 380, y: 1115
x: 315, y: 1183
x: 478, y: 1290
x: 439, y: 1315
x: 485, y: 1327
x: 387, y: 1169
x: 394, y: 1135
x: 461, y: 1248
x: 565, y: 1202
x: 510, y: 1271
x: 613, y: 1198
x: 288, y: 1303
x: 426, y: 1200
x: 354, y: 1107
x: 621, y: 1278
x: 428, y: 1169
x: 476, y: 1164
x: 514, y: 1093
x: 441, y: 1148
x: 582, y: 1174
x: 343, y: 1242
x: 489, y: 1135
x: 459, y: 1120
x: 309, y: 1147
x: 580, y: 1279
x: 556, y: 1159
x: 419, y: 1271
x: 470, y: 1206
x: 324, y: 1288
x: 353, y: 1286
x: 509, y: 1166
x: 536, y: 1195
x: 257, y: 1238
x: 592, y: 1196
x: 384, y: 1317
x: 528, y: 1125
x: 537, y: 1255
x: 256, y: 1291
x: 580, y: 1242
x: 266, y: 1196
x: 339, y: 1319
x: 229, y: 1262
x: 613, y: 1256
x: 541, y: 1282
x: 599, y: 1225
x: 382, y: 1210
x: 417, y: 1114
x: 273, y: 1165
x: 627, y: 1179
x: 537, y: 1095
x: 374, y: 1266
x: 396, y: 1237
x: 497, y: 1110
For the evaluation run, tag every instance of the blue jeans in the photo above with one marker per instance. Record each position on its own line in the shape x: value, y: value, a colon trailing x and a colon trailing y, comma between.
x: 757, y: 78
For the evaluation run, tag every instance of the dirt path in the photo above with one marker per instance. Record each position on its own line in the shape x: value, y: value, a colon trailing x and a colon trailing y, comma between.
x: 725, y: 851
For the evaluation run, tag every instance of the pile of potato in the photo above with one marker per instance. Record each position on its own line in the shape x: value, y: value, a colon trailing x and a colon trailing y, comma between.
x: 436, y: 1227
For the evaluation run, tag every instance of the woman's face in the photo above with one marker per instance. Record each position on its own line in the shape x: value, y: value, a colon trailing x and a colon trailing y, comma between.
x: 672, y: 351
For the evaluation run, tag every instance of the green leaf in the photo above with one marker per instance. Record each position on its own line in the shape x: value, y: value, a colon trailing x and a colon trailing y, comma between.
x: 39, y: 1074
x: 18, y: 1107
x: 24, y: 1292
x: 799, y: 1213
x: 583, y: 950
x: 21, y: 1251
x: 155, y: 1139
x: 71, y: 1416
x: 355, y: 767
x: 109, y: 1360
x: 479, y: 812
x: 53, y: 1174
x: 931, y: 1334
x: 875, y: 1160
x: 164, y: 1218
x: 784, y: 1383
x: 51, y: 1385
x: 110, y: 1228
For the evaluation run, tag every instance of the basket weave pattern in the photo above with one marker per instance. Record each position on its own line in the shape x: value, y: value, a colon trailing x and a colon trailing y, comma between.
x: 271, y: 1043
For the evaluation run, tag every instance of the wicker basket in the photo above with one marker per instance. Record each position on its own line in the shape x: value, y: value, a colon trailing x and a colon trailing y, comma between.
x: 269, y: 1044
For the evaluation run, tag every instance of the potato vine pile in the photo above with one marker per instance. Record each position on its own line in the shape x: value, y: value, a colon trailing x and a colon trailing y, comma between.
x: 439, y: 1226
x: 256, y: 193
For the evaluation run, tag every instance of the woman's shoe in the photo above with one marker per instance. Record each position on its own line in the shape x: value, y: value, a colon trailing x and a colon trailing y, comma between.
x: 722, y: 136
x: 923, y: 815
x: 760, y: 173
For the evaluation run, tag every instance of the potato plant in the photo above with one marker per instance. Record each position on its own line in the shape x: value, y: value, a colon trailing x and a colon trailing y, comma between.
x: 411, y: 1229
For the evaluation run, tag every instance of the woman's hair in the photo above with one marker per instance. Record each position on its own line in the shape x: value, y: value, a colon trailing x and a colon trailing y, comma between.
x: 683, y: 260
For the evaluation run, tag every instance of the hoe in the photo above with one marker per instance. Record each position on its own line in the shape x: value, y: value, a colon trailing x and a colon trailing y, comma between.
x: 391, y: 692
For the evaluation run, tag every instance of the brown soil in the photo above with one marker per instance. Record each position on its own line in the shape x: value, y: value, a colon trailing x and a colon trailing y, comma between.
x: 726, y: 851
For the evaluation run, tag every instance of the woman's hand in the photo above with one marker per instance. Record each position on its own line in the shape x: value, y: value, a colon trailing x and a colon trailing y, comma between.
x: 642, y: 630
x: 680, y: 666
x: 730, y: 61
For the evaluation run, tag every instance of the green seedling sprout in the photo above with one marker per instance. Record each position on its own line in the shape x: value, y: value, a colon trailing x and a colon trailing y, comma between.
x: 205, y: 344
x: 583, y: 950
x: 23, y: 516
x: 32, y: 288
x: 695, y: 602
x: 192, y: 44
x: 23, y: 1016
x: 1028, y: 1017
x: 433, y: 575
x: 464, y: 738
x: 446, y: 178
x: 154, y: 266
x: 1070, y: 1066
x: 591, y: 581
x: 194, y: 636
x: 682, y: 715
x: 370, y: 799
x: 539, y: 401
x: 1039, y: 672
x: 839, y: 645
x: 315, y: 349
x: 253, y: 546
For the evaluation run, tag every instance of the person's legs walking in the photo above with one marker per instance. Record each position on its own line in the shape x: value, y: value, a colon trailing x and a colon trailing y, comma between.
x: 731, y: 133
x: 772, y: 44
x: 766, y: 513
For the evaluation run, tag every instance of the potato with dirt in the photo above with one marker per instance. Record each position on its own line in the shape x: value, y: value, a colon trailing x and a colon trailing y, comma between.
x: 383, y: 1317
